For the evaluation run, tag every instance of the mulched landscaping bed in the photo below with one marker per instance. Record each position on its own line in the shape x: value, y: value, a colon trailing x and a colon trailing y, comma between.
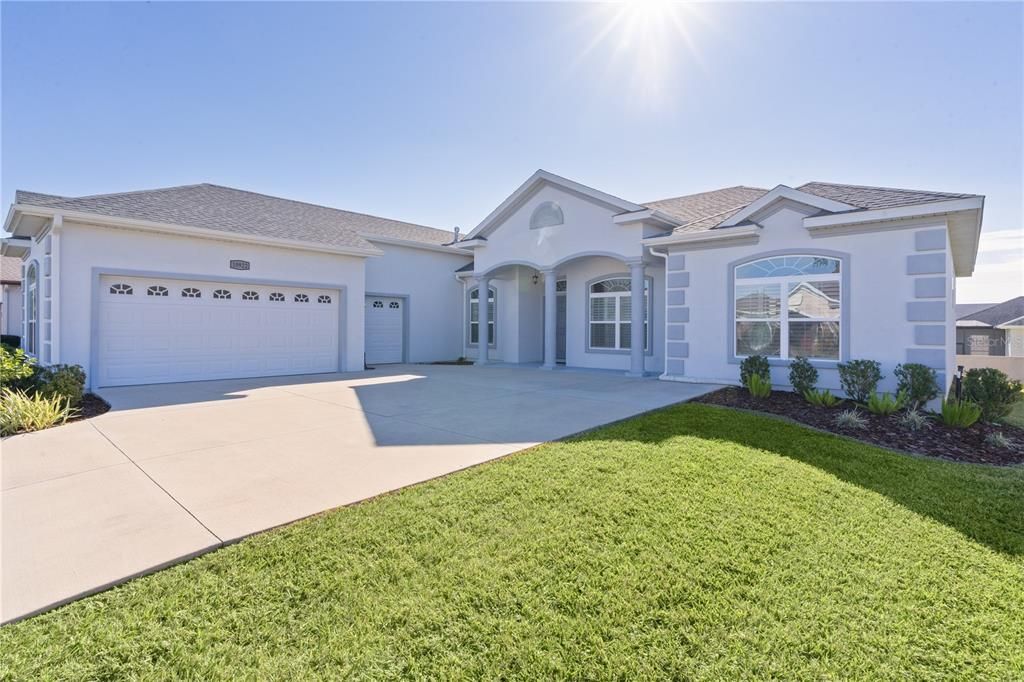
x: 91, y: 406
x: 938, y: 440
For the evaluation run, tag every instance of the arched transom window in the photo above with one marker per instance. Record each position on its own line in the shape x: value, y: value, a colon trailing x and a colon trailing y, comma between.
x: 611, y: 310
x: 547, y: 214
x: 474, y: 315
x: 789, y: 306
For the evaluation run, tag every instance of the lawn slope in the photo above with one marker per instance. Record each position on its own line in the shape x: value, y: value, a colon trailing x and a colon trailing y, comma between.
x: 692, y: 542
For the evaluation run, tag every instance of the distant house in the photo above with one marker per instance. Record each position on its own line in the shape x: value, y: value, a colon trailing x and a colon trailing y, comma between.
x: 991, y: 329
x: 10, y: 295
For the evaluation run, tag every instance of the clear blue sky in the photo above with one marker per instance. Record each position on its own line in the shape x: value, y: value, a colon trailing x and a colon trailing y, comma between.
x: 434, y: 113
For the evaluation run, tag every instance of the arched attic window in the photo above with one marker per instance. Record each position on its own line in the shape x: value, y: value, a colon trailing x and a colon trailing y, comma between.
x: 548, y: 214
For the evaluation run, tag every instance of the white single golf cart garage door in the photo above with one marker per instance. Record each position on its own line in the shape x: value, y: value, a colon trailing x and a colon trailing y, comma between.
x: 385, y: 330
x: 153, y: 330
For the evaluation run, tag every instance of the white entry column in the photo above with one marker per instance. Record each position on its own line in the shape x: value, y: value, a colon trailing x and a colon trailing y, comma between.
x: 638, y: 310
x: 483, y: 306
x: 550, y: 319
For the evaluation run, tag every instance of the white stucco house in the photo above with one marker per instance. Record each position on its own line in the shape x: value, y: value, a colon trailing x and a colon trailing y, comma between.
x: 203, y: 282
x: 10, y: 296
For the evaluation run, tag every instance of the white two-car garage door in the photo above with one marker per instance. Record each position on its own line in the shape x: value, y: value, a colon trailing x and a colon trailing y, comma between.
x: 385, y: 330
x: 155, y: 330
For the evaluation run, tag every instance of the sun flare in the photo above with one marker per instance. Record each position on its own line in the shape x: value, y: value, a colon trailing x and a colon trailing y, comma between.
x: 644, y: 38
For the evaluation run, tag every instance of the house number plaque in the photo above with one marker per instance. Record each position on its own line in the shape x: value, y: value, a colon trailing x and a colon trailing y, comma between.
x: 239, y: 264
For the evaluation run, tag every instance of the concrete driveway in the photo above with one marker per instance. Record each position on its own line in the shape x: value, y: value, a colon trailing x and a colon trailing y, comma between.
x: 176, y: 470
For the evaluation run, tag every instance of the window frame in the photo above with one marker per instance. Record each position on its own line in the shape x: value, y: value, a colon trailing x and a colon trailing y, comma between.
x: 783, y: 359
x: 492, y: 341
x: 649, y: 323
x: 554, y: 208
x: 31, y: 312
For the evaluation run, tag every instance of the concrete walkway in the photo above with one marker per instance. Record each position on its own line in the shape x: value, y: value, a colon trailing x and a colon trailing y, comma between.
x: 176, y: 470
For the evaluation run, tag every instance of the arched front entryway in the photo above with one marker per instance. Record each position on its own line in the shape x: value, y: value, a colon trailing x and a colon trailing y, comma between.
x: 578, y: 312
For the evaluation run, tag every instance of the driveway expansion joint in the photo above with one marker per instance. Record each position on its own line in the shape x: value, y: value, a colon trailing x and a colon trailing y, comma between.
x: 165, y: 491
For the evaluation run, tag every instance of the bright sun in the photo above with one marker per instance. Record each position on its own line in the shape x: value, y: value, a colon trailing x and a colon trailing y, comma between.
x: 645, y: 38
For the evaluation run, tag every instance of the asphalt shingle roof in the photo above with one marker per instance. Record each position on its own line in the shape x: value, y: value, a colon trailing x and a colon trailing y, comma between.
x: 963, y: 311
x: 238, y: 211
x: 701, y: 207
x: 10, y: 270
x: 876, y: 197
x: 1000, y: 313
x: 708, y: 210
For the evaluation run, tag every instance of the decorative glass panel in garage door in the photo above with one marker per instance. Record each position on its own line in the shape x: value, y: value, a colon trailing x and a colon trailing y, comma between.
x: 154, y: 330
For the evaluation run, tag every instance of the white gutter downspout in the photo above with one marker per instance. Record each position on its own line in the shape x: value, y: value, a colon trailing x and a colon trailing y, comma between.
x: 664, y: 306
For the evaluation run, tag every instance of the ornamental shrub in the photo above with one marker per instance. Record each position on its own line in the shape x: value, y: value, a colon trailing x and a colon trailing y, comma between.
x: 803, y: 376
x: 17, y: 370
x: 993, y: 391
x: 754, y: 364
x: 22, y: 412
x: 859, y: 378
x: 850, y: 419
x: 918, y: 383
x: 64, y: 381
x: 912, y: 420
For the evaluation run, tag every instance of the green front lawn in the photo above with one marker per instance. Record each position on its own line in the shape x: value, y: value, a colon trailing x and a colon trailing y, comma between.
x: 693, y: 542
x: 1016, y: 416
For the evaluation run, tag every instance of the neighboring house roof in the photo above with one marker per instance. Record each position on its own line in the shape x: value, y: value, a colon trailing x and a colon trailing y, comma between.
x: 10, y: 270
x: 962, y: 311
x: 995, y: 315
x: 708, y: 210
x: 226, y: 209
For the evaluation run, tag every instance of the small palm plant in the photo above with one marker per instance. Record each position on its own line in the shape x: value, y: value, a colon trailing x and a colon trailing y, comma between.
x: 886, y: 403
x: 822, y: 398
x: 960, y: 413
x: 758, y: 386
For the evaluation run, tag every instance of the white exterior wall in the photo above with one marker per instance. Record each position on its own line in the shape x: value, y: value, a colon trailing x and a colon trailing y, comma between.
x: 1015, y: 342
x: 41, y: 253
x: 521, y: 315
x: 587, y: 246
x: 11, y: 309
x: 588, y: 228
x: 504, y: 348
x: 124, y: 250
x: 883, y: 294
x: 577, y: 274
x: 434, y: 297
